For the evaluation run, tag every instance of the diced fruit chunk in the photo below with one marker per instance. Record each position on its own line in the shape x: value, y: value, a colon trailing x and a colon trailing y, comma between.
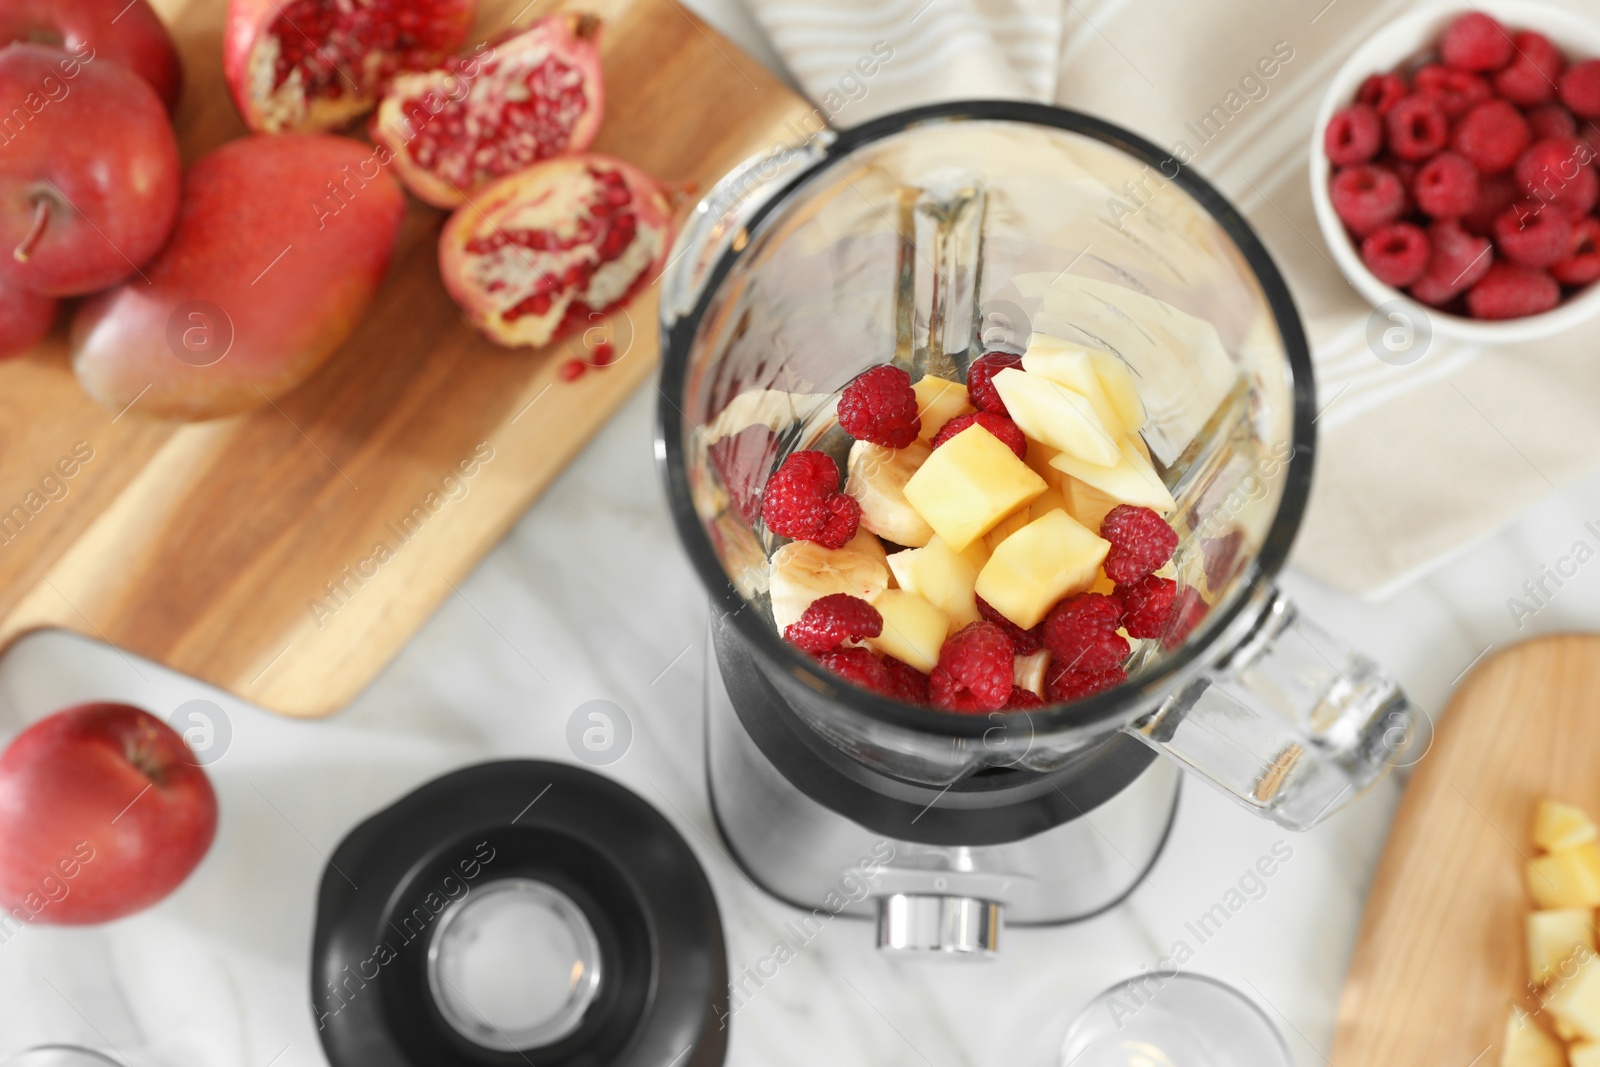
x: 969, y: 484
x: 1554, y: 936
x: 1072, y: 366
x: 877, y: 480
x: 913, y: 629
x: 1557, y: 826
x: 1008, y: 526
x: 1526, y: 1045
x: 1584, y: 1054
x: 938, y: 401
x: 1133, y: 480
x: 1028, y: 671
x: 1120, y: 389
x: 803, y: 571
x: 1575, y: 1002
x: 1052, y: 557
x: 1086, y: 503
x: 1566, y: 879
x: 1051, y: 413
x: 943, y: 577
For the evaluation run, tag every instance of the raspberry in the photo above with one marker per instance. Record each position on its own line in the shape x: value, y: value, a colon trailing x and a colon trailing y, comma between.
x: 844, y: 516
x: 906, y: 684
x: 998, y: 425
x: 1531, y: 76
x: 1580, y: 88
x: 1581, y: 266
x: 1141, y: 541
x: 1452, y: 91
x: 832, y: 620
x: 1381, y: 92
x: 1187, y: 612
x: 1495, y: 194
x: 975, y: 670
x: 1459, y: 259
x: 1446, y: 187
x: 1476, y: 42
x: 1417, y: 128
x: 1367, y: 197
x: 1511, y: 292
x: 802, y: 501
x: 1556, y: 171
x: 1023, y: 700
x: 1081, y: 633
x: 1026, y: 642
x: 880, y: 407
x: 1149, y: 605
x: 1396, y: 255
x: 1532, y: 234
x: 1552, y: 120
x: 1492, y: 135
x: 859, y: 666
x: 1403, y: 169
x: 742, y: 461
x: 1354, y: 135
x: 1062, y: 685
x: 980, y: 380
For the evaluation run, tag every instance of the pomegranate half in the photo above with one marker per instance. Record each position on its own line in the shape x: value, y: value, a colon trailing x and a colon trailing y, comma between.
x: 528, y: 96
x: 554, y: 248
x: 312, y: 65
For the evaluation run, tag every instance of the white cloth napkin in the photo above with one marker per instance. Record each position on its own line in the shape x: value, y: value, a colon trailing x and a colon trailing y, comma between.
x: 1415, y: 462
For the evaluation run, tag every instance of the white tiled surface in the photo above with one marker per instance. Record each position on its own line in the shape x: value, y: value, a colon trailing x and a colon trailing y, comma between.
x: 589, y: 598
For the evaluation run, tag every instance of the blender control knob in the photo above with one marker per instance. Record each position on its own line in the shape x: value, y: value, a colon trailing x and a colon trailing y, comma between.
x: 958, y: 926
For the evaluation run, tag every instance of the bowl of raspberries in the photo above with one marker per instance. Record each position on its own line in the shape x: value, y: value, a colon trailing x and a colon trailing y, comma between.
x: 1456, y: 163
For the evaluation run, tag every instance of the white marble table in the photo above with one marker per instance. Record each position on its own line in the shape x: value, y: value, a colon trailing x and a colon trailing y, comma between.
x: 589, y: 598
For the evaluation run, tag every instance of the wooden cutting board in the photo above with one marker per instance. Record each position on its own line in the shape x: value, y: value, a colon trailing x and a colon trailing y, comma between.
x: 245, y: 551
x: 1440, y: 958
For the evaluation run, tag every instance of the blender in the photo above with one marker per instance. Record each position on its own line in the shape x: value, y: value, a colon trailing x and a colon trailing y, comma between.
x: 925, y: 239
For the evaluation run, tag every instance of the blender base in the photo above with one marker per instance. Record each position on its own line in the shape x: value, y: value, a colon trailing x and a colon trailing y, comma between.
x: 813, y: 857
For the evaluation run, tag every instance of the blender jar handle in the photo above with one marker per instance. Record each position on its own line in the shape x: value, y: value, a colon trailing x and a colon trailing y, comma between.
x: 1291, y: 723
x: 723, y: 215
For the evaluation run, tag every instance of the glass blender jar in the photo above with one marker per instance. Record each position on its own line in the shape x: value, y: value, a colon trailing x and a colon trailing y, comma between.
x: 924, y: 239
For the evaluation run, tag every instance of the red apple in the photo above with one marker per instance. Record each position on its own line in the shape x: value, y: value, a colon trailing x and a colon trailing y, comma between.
x: 123, y: 31
x: 89, y: 171
x: 279, y: 248
x: 103, y: 812
x: 25, y: 318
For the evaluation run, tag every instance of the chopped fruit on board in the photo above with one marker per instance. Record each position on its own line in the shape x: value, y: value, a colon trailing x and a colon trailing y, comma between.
x: 1491, y: 138
x: 1026, y: 545
x: 1557, y: 826
x: 1554, y: 936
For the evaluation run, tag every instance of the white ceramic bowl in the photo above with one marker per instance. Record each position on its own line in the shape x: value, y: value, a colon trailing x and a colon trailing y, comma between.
x: 1390, y: 48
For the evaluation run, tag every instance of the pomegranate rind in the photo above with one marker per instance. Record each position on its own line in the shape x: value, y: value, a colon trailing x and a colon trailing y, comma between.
x: 447, y: 127
x: 250, y: 50
x: 551, y: 203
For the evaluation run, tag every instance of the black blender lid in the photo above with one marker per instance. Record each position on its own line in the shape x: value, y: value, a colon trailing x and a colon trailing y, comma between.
x: 515, y: 912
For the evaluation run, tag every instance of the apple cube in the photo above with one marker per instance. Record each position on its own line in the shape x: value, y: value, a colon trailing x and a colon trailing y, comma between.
x: 1584, y: 1054
x: 1557, y: 826
x: 913, y: 629
x: 943, y: 577
x: 1070, y: 365
x: 1038, y: 461
x: 1575, y: 1002
x: 1554, y: 936
x: 1132, y: 481
x: 969, y: 484
x: 1086, y: 503
x: 1120, y: 389
x: 938, y: 401
x: 1051, y: 557
x: 1526, y: 1045
x: 1051, y: 413
x: 1566, y: 879
x: 1008, y: 526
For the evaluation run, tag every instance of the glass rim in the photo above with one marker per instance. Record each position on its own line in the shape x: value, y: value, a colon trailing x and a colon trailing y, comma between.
x: 677, y: 338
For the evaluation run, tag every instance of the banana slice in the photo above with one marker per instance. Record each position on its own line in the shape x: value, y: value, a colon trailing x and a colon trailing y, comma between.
x: 1028, y: 671
x: 878, y: 477
x: 802, y: 571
